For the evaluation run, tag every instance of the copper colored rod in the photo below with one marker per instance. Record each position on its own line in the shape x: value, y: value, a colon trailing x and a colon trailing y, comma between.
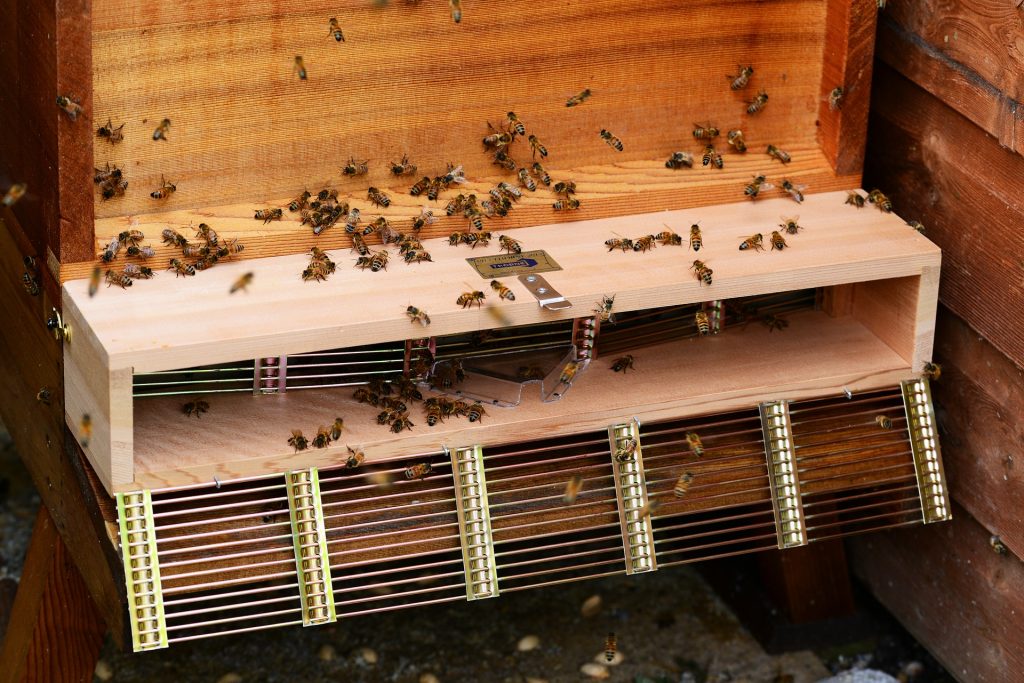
x: 604, y: 472
x: 858, y: 496
x: 734, y: 541
x: 397, y: 544
x: 559, y: 485
x: 574, y: 506
x: 847, y: 534
x: 182, y: 639
x: 399, y: 582
x: 420, y: 591
x: 732, y: 506
x: 856, y: 401
x: 218, y: 520
x: 555, y: 521
x: 391, y: 608
x: 223, y: 608
x: 866, y: 506
x: 880, y: 482
x: 189, y: 587
x: 326, y: 495
x: 565, y: 544
x: 549, y: 534
x: 718, y: 556
x: 216, y: 494
x: 681, y: 436
x: 544, y: 449
x: 901, y: 465
x: 396, y: 558
x: 512, y: 589
x: 716, y: 520
x: 901, y: 440
x: 225, y: 506
x: 232, y: 594
x: 225, y: 544
x: 219, y: 558
x: 558, y: 558
x: 900, y: 513
x: 762, y: 467
x: 714, y: 532
x: 655, y: 429
x: 557, y: 570
x: 400, y: 570
x: 228, y: 620
x: 799, y: 433
x: 385, y: 534
x: 550, y: 461
x: 162, y: 540
x: 385, y: 520
x: 207, y: 572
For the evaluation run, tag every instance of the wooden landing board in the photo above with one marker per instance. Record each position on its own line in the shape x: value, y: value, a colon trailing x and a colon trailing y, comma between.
x: 245, y: 435
x: 173, y: 323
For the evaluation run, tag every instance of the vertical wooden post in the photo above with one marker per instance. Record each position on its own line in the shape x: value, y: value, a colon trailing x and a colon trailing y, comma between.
x: 809, y: 583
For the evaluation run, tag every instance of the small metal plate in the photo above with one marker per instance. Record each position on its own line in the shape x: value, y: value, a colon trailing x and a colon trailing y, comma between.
x: 505, y: 265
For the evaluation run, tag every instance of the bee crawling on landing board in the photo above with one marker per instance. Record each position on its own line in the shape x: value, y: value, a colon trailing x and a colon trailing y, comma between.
x: 695, y: 444
x: 623, y: 243
x: 855, y: 199
x: 354, y: 168
x: 696, y: 240
x: 161, y: 131
x: 790, y: 225
x: 778, y: 241
x: 705, y: 131
x: 467, y: 299
x: 795, y: 191
x: 611, y: 140
x: 113, y: 134
x: 740, y: 80
x: 417, y: 316
x: 503, y: 291
x: 682, y: 485
x: 753, y: 243
x: 355, y: 458
x: 578, y: 99
x: 702, y: 272
x: 622, y: 364
x: 758, y: 103
x: 680, y: 160
x: 300, y: 68
x: 165, y: 190
x: 403, y: 167
x: 776, y: 153
x: 298, y: 441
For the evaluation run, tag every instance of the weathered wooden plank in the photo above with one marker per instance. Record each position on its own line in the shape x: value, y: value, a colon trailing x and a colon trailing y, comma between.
x: 964, y: 602
x: 943, y: 170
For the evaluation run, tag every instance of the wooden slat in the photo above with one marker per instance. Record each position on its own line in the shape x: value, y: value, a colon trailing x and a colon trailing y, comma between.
x: 941, y: 169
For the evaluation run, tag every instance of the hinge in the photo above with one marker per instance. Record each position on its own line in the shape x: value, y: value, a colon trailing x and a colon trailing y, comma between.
x: 782, y: 474
x: 141, y: 570
x: 631, y: 494
x: 310, y: 542
x: 924, y: 444
x: 474, y: 523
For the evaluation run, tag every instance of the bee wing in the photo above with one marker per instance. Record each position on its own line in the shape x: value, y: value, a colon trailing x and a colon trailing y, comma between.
x: 767, y: 186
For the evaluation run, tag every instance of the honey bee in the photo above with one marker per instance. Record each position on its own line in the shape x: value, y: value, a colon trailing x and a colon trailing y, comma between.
x: 395, y: 404
x: 417, y: 316
x: 497, y: 139
x: 300, y: 68
x: 572, y: 489
x: 403, y: 167
x: 161, y: 131
x: 208, y: 261
x: 379, y: 261
x: 735, y: 138
x: 476, y: 218
x: 417, y: 256
x: 364, y: 395
x: 355, y: 458
x: 475, y: 238
x: 776, y: 153
x: 131, y: 236
x: 501, y: 158
x: 790, y: 225
x: 515, y: 124
x: 44, y: 396
x: 195, y: 250
x: 758, y: 103
x: 137, y: 272
x: 322, y: 438
x: 109, y: 253
x: 420, y: 187
x: 242, y: 283
x: 774, y: 322
x: 642, y: 244
x: 778, y: 241
x: 140, y: 252
x: 604, y: 309
x: 669, y: 238
x: 434, y: 415
x: 682, y: 485
x: 855, y: 199
x: 754, y: 187
x: 181, y: 268
x: 85, y: 427
x: 230, y: 248
x: 570, y: 371
x: 740, y: 81
x: 536, y: 147
x: 70, y: 107
x: 711, y: 157
x: 916, y: 225
x: 609, y: 647
x: 623, y: 364
x: 835, y: 98
x: 30, y: 283
x: 425, y: 218
x: 997, y: 545
x: 565, y: 187
x: 702, y: 272
x: 435, y: 188
x: 387, y: 415
x: 106, y: 174
x: 578, y: 98
x: 566, y: 205
x: 705, y: 131
x: 456, y: 9
x: 14, y: 193
x: 94, y: 281
x: 541, y: 174
x: 113, y: 189
x: 883, y: 421
x: 267, y: 215
x: 512, y: 246
x: 299, y: 202
x: 880, y: 201
x: 174, y: 238
x: 378, y: 198
x: 649, y: 508
x: 166, y: 190
x: 298, y: 441
x: 703, y: 323
x: 475, y: 412
x: 932, y: 371
x: 401, y: 423
x: 467, y: 299
x: 112, y: 134
x: 696, y: 240
x: 611, y: 140
x: 352, y: 220
x: 695, y: 444
x: 335, y: 30
x: 623, y: 243
x: 754, y: 243
x: 679, y: 160
x: 503, y: 291
x: 419, y: 471
x: 526, y: 180
x: 356, y: 168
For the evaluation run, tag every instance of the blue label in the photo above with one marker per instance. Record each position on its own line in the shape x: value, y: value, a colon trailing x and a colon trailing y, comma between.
x: 527, y: 262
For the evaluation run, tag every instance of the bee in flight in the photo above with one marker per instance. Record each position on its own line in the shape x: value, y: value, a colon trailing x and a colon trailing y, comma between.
x: 503, y: 291
x: 417, y: 316
x: 354, y: 168
x: 778, y: 241
x: 403, y: 167
x: 758, y: 103
x: 680, y: 160
x: 705, y: 131
x: 682, y: 485
x: 578, y: 98
x: 740, y: 80
x: 419, y: 471
x: 267, y: 215
x: 161, y: 131
x: 298, y: 441
x: 609, y: 647
x: 916, y: 225
x: 94, y: 281
x: 69, y: 106
x: 932, y: 371
x: 753, y: 243
x: 456, y: 9
x: 791, y: 226
x: 536, y: 147
x: 776, y: 153
x: 696, y: 241
x: 624, y: 363
x: 611, y: 140
x: 795, y: 191
x: 335, y: 30
x: 242, y: 283
x: 112, y: 134
x: 85, y: 427
x: 14, y: 193
x: 165, y: 190
x: 754, y: 187
x: 467, y: 299
x: 855, y: 199
x: 695, y: 444
x: 572, y: 489
x: 884, y: 422
x: 300, y: 68
x: 649, y: 508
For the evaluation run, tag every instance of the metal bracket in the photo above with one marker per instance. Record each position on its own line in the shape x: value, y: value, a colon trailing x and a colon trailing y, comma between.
x: 782, y: 474
x: 56, y: 324
x: 631, y: 494
x: 924, y: 444
x: 310, y: 542
x: 474, y: 523
x: 141, y: 570
x: 546, y: 295
x: 716, y: 314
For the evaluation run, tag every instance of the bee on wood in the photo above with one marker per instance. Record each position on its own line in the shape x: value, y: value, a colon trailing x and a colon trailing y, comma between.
x: 30, y: 283
x: 195, y: 250
x: 335, y: 30
x: 44, y: 396
x: 475, y: 412
x: 835, y: 98
x: 880, y: 201
x: 507, y: 244
x: 137, y: 272
x: 420, y: 187
x: 467, y: 299
x: 623, y: 364
x: 133, y: 237
x: 740, y: 80
x: 501, y: 158
x: 735, y: 138
x: 85, y: 428
x: 14, y: 193
x: 776, y: 153
x: 997, y: 545
x: 403, y: 167
x: 181, y: 268
x: 778, y: 241
x: 623, y: 243
x: 267, y: 215
x: 402, y: 423
x: 932, y: 371
x: 572, y: 489
x: 536, y: 147
x: 703, y: 323
x: 161, y: 131
x: 113, y: 189
x: 110, y: 133
x: 711, y: 157
x: 609, y: 647
x: 434, y: 414
x: 380, y: 386
x: 230, y: 247
x: 174, y: 238
x: 611, y: 140
x: 298, y: 441
x: 110, y: 252
x: 578, y: 98
x: 696, y: 240
x: 642, y: 244
x: 394, y: 404
x: 379, y: 261
x: 604, y: 309
x: 364, y: 395
x: 242, y: 283
x: 679, y: 160
x: 300, y: 68
x: 425, y: 218
x: 208, y: 261
x: 682, y: 486
x: 94, y: 281
x: 565, y: 187
x: 417, y: 316
x: 456, y: 10
x: 883, y: 421
x: 753, y: 243
x: 322, y: 438
x: 702, y: 272
x: 695, y: 444
x: 541, y: 174
x: 515, y: 125
x: 456, y: 204
x: 569, y: 372
x: 355, y: 458
x: 417, y: 256
x: 790, y: 225
x: 916, y: 225
x: 855, y: 199
x: 320, y: 266
x: 378, y: 198
x: 705, y: 131
x: 475, y: 218
x: 144, y: 251
x: 435, y: 188
x: 795, y: 191
x: 106, y: 174
x: 566, y: 205
x: 475, y: 238
x: 165, y: 190
x: 526, y: 180
x: 754, y: 187
x: 758, y: 103
x: 352, y: 220
x: 387, y: 415
x: 503, y: 291
x: 667, y: 238
x: 774, y: 322
x: 69, y: 106
x: 299, y: 202
x: 356, y: 168
x: 419, y: 471
x: 497, y: 139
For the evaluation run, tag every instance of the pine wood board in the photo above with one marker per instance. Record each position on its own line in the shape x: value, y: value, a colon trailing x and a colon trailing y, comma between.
x: 243, y: 435
x: 169, y: 323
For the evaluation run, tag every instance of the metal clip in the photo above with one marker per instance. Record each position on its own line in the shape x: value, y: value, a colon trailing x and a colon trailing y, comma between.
x: 790, y: 527
x: 631, y: 496
x: 141, y: 570
x: 309, y: 537
x: 54, y: 323
x: 546, y: 295
x: 478, y: 558
x: 924, y: 444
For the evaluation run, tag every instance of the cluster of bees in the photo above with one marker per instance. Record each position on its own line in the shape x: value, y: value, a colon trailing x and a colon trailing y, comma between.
x: 206, y: 252
x: 131, y: 242
x: 647, y: 242
x: 756, y: 241
x: 395, y: 412
x: 111, y: 181
x: 324, y: 436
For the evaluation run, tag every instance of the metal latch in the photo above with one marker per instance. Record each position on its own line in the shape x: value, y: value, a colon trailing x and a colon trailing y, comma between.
x: 54, y: 323
x: 546, y: 295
